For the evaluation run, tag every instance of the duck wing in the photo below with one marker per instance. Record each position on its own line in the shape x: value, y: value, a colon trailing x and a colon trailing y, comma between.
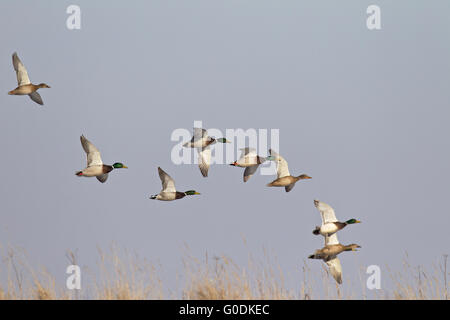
x: 93, y: 155
x: 331, y: 240
x: 168, y: 184
x: 335, y: 269
x: 282, y: 165
x: 36, y: 97
x: 249, y: 171
x: 199, y: 134
x: 21, y: 72
x: 289, y: 187
x: 102, y: 178
x: 326, y: 212
x: 204, y: 159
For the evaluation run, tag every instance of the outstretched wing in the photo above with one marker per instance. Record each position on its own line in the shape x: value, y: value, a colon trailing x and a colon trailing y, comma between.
x: 199, y: 134
x: 326, y: 212
x: 36, y: 97
x: 249, y: 171
x: 102, y: 178
x: 93, y: 155
x: 289, y: 187
x: 282, y: 165
x: 331, y: 240
x: 204, y: 159
x: 335, y: 269
x: 21, y: 72
x: 168, y: 184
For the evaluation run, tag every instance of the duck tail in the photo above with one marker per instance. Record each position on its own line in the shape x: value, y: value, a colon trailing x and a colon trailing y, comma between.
x: 313, y: 256
x: 79, y: 173
x: 153, y: 197
x: 316, y: 231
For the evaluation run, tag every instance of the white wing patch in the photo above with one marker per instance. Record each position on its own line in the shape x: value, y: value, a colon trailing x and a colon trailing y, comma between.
x: 168, y: 184
x: 21, y: 72
x: 326, y: 212
x: 199, y: 134
x: 335, y: 269
x: 282, y: 165
x: 330, y: 240
x: 204, y: 159
x: 93, y: 155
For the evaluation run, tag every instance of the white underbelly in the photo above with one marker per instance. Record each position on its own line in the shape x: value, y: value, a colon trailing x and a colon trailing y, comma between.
x: 246, y: 162
x: 93, y: 171
x: 166, y: 196
x: 328, y: 229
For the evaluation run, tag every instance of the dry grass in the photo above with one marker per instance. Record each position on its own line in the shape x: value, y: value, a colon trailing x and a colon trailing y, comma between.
x: 126, y: 276
x: 222, y: 279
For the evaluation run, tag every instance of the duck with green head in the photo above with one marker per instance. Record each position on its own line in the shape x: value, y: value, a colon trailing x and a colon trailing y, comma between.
x: 25, y: 87
x: 169, y: 192
x: 330, y: 227
x: 330, y: 224
x: 95, y: 166
x: 201, y: 141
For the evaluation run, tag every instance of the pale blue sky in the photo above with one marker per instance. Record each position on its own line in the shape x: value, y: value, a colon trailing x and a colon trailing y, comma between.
x: 365, y: 113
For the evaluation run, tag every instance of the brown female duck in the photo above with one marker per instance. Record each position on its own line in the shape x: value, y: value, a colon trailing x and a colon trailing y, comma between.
x: 25, y: 86
x: 284, y: 177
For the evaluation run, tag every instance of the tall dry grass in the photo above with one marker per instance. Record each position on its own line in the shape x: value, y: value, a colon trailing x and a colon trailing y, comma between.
x: 123, y: 275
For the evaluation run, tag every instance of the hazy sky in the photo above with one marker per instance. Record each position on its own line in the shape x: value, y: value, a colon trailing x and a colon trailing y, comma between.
x: 365, y: 113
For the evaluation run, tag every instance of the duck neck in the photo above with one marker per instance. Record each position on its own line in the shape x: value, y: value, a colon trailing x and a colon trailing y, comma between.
x: 107, y: 168
x: 340, y: 225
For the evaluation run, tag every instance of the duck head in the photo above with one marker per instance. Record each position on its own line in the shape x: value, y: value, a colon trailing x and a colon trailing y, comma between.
x: 223, y: 140
x: 191, y: 192
x: 352, y: 221
x: 352, y: 247
x: 119, y: 165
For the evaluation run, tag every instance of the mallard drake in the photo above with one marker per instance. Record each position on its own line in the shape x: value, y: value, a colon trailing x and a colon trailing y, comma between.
x: 201, y: 141
x: 169, y: 192
x: 95, y: 166
x: 329, y: 255
x: 25, y: 85
x: 284, y: 177
x: 249, y: 160
x: 330, y: 224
